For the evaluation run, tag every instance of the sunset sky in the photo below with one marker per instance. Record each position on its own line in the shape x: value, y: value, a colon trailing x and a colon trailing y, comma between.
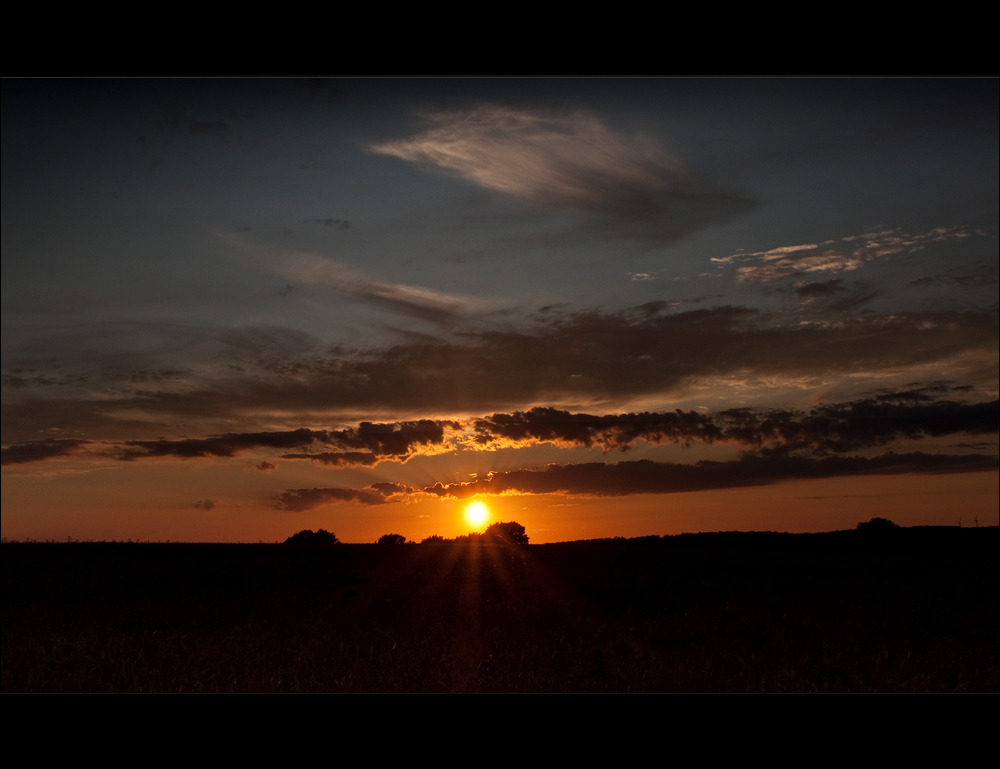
x: 235, y: 309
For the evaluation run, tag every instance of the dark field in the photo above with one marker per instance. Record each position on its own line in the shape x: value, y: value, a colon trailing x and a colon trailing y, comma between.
x: 838, y: 612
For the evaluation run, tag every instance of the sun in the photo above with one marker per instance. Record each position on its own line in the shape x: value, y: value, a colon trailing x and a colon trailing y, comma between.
x: 476, y: 513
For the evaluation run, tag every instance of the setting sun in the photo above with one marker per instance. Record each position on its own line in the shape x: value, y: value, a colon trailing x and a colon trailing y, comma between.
x: 476, y: 513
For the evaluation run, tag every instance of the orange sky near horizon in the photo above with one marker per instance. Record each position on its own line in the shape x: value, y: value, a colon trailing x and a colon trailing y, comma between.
x: 113, y: 512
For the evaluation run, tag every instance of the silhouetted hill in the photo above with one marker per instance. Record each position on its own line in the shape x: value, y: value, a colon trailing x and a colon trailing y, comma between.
x: 915, y: 610
x: 922, y: 538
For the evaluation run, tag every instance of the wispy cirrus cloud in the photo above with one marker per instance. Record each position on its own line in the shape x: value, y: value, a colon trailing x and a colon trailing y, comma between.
x: 315, y: 270
x: 832, y: 256
x: 572, y: 163
x: 415, y: 301
x: 574, y: 158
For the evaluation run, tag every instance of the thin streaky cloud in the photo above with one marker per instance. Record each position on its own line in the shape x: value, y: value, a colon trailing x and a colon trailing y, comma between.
x: 568, y: 158
x: 315, y: 270
x: 625, y: 187
x: 601, y: 479
x: 300, y: 500
x: 340, y: 459
x: 425, y: 303
x: 852, y: 254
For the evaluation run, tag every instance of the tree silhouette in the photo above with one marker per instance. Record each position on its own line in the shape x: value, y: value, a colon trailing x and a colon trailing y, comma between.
x: 391, y: 539
x: 432, y: 539
x: 877, y: 525
x: 878, y: 532
x: 310, y: 537
x: 509, y: 533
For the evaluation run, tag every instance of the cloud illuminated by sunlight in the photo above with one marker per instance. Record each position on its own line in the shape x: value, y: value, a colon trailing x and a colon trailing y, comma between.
x: 802, y: 259
x: 316, y: 270
x: 570, y: 158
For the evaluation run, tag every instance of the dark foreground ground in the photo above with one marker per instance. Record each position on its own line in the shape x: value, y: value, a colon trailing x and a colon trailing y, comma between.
x: 839, y: 612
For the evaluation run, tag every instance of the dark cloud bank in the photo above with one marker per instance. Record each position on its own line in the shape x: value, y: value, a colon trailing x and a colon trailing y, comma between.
x: 600, y: 479
x: 561, y: 357
x: 776, y: 436
x: 377, y: 494
x: 827, y: 428
x: 37, y: 451
x: 592, y: 356
x: 377, y: 441
x: 912, y: 414
x: 397, y: 440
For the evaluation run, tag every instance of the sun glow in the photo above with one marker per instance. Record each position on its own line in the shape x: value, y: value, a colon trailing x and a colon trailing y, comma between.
x: 476, y: 513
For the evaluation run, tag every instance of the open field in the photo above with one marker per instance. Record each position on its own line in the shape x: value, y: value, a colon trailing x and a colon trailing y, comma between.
x: 838, y: 612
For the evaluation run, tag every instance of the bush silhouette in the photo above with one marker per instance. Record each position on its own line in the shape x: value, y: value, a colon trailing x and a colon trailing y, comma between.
x: 310, y: 537
x: 509, y: 533
x: 877, y: 525
x: 432, y: 539
x: 391, y: 539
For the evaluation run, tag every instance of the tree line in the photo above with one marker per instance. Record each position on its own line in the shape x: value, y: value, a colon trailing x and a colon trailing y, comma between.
x: 502, y: 533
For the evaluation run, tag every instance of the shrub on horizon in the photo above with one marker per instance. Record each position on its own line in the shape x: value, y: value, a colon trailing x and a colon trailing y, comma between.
x: 877, y: 524
x: 310, y: 537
